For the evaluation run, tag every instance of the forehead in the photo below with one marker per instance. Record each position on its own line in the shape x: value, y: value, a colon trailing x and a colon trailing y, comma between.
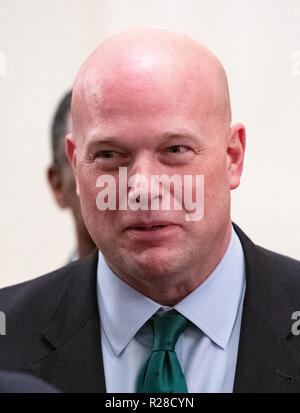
x: 136, y: 100
x: 150, y: 132
x: 147, y: 120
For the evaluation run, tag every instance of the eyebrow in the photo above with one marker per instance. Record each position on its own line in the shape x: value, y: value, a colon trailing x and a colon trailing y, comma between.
x: 117, y: 141
x: 188, y: 135
x: 109, y: 140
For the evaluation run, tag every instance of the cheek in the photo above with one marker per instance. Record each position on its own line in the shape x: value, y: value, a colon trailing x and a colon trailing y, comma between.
x: 216, y: 181
x: 216, y: 188
x: 88, y: 193
x: 99, y: 223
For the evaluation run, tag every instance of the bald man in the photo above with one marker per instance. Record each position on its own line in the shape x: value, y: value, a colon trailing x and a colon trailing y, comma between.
x: 177, y: 298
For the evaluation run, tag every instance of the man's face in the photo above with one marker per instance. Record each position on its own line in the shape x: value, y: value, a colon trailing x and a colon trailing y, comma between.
x: 153, y: 130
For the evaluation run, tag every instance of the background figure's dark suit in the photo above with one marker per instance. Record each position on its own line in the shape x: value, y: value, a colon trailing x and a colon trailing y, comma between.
x: 23, y: 383
x: 53, y: 326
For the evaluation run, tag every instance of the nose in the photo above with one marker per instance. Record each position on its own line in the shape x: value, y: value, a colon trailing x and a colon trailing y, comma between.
x: 141, y: 191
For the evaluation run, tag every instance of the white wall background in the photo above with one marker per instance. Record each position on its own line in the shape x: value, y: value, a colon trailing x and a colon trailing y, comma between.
x: 43, y: 43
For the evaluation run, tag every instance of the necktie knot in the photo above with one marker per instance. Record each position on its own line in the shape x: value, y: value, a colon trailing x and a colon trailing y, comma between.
x: 162, y: 372
x: 166, y: 330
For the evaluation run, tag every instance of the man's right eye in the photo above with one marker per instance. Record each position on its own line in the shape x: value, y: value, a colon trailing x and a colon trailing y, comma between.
x: 110, y: 159
x: 105, y: 154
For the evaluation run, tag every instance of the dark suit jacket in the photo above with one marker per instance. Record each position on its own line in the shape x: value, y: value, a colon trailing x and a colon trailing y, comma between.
x: 53, y: 328
x: 23, y: 383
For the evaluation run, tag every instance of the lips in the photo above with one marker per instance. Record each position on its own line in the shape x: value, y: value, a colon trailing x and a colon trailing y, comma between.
x: 155, y: 233
x: 152, y: 226
x: 149, y: 228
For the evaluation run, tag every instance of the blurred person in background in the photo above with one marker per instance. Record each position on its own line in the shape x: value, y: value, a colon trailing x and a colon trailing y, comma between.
x: 61, y: 178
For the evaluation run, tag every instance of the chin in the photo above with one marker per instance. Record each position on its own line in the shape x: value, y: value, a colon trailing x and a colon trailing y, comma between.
x: 158, y: 262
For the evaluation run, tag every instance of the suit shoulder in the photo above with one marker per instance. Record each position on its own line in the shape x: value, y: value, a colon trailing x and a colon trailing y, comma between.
x: 269, y: 270
x: 284, y: 271
x: 284, y: 263
x: 45, y: 287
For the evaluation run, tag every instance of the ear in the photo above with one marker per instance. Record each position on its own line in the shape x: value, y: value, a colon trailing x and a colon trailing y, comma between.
x: 236, y: 145
x: 71, y: 155
x: 55, y: 180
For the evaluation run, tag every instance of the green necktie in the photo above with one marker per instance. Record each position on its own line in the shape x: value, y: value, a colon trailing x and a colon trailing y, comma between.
x: 162, y: 372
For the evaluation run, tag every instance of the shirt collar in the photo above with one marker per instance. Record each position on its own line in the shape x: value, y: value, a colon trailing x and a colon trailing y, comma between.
x: 212, y: 307
x: 123, y: 310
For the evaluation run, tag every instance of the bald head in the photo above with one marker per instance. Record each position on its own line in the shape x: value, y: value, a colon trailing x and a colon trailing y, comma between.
x: 143, y: 71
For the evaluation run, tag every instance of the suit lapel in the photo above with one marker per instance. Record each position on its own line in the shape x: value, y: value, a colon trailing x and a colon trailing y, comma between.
x: 72, y: 356
x: 267, y: 359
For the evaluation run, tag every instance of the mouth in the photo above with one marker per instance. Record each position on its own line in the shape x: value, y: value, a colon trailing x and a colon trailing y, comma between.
x: 152, y: 233
x: 151, y: 228
x: 155, y: 226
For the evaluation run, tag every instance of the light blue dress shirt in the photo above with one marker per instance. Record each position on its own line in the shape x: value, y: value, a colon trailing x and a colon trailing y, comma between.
x: 206, y: 350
